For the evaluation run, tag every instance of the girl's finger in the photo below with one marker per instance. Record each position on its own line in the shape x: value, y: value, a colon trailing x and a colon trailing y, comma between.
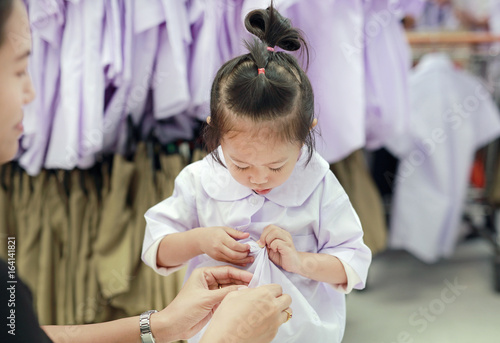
x: 232, y: 254
x: 276, y: 233
x: 237, y: 258
x: 236, y: 246
x: 263, y: 237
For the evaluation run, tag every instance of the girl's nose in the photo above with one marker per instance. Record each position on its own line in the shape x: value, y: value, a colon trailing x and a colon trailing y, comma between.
x: 258, y: 178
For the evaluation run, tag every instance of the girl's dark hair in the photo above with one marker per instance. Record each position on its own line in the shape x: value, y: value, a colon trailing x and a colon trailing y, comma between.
x: 5, y: 11
x: 281, y: 98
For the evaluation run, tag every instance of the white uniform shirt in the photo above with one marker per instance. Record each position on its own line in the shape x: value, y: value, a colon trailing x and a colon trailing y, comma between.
x: 311, y: 205
x: 452, y: 115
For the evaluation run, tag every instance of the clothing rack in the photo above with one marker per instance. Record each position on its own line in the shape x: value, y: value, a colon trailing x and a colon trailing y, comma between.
x: 451, y: 38
x: 482, y: 211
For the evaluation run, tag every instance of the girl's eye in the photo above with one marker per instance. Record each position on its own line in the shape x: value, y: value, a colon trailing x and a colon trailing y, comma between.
x: 276, y: 170
x: 239, y: 168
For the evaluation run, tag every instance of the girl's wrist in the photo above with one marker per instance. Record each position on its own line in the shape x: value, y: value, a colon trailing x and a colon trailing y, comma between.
x: 197, y: 237
x: 308, y: 264
x: 297, y: 266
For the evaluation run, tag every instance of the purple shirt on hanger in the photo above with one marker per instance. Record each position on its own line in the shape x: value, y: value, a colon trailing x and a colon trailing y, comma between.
x: 387, y: 62
x: 171, y: 96
x: 47, y: 23
x: 77, y: 128
x: 336, y: 71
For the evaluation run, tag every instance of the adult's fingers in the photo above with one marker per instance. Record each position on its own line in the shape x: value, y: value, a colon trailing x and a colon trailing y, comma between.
x: 224, y: 275
x: 286, y: 315
x: 284, y: 301
x: 272, y: 289
x: 218, y: 294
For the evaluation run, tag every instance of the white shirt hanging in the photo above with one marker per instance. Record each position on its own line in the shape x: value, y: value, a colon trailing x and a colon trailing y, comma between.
x: 452, y: 115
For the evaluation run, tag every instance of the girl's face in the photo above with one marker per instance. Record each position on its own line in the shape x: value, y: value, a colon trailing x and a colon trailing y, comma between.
x: 258, y: 161
x: 16, y: 89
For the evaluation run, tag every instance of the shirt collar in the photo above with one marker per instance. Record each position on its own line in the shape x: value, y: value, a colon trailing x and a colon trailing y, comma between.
x: 220, y: 185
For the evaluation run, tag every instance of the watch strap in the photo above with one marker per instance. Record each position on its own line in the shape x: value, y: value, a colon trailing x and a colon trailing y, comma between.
x: 145, y: 327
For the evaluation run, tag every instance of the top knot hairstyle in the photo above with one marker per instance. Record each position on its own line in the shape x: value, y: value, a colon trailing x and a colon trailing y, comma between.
x: 264, y: 86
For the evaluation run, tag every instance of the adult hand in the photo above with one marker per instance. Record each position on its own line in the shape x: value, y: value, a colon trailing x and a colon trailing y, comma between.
x: 280, y: 248
x: 193, y: 307
x: 249, y: 315
x: 219, y: 242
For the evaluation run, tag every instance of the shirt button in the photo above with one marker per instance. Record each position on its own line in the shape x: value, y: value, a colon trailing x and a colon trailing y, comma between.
x: 253, y: 201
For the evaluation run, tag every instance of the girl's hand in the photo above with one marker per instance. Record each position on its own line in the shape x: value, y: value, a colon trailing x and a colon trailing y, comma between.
x: 219, y: 242
x: 280, y: 248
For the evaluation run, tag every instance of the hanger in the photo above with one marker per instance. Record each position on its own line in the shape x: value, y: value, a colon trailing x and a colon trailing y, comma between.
x: 83, y: 186
x: 3, y: 177
x: 153, y: 152
x: 133, y: 136
x: 96, y: 173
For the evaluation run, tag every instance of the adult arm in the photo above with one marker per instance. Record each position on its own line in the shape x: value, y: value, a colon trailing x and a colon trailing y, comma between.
x: 188, y: 313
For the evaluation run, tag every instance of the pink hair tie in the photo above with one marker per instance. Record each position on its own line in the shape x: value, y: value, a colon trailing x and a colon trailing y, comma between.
x: 261, y: 71
x: 270, y: 49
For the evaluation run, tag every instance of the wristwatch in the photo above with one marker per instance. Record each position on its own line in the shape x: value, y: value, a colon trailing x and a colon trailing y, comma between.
x: 146, y: 334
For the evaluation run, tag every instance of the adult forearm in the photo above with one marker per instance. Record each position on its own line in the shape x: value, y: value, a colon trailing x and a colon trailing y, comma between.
x: 178, y: 248
x: 126, y: 330
x: 122, y: 330
x: 322, y: 267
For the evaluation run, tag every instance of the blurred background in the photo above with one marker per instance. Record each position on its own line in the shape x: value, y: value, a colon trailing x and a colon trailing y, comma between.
x: 407, y: 95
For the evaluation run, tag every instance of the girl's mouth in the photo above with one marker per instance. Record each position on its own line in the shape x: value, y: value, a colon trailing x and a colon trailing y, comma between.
x: 262, y: 191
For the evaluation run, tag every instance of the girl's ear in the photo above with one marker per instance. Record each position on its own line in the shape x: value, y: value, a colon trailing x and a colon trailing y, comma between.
x: 208, y: 120
x: 314, y: 123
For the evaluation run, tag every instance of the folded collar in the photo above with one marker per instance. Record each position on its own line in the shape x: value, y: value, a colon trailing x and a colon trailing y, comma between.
x: 220, y: 185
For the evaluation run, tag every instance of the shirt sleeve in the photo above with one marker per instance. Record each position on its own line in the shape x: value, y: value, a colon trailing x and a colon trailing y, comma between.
x: 352, y: 280
x: 19, y: 321
x: 174, y: 214
x: 340, y: 234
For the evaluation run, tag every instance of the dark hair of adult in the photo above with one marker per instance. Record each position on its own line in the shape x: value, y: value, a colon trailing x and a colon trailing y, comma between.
x: 279, y: 98
x: 5, y: 11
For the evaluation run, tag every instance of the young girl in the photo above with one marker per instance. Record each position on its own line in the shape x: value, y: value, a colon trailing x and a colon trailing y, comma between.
x: 263, y: 183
